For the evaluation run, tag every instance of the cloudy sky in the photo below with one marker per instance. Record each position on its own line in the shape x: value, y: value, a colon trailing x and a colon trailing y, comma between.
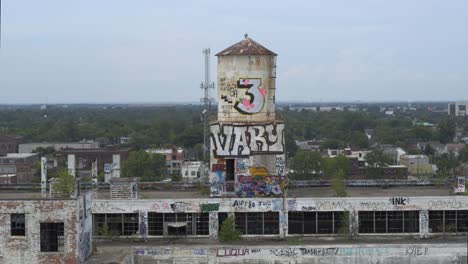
x: 60, y: 51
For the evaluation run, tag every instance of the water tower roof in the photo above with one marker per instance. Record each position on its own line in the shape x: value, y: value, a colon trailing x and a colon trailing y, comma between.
x: 247, y: 46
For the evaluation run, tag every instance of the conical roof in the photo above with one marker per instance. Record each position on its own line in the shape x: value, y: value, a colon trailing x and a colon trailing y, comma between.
x: 247, y: 46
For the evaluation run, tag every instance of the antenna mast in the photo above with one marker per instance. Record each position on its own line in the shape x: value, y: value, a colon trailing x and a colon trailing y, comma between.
x: 206, y: 100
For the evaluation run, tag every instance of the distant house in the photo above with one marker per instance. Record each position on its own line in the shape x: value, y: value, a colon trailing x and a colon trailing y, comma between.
x: 9, y: 144
x: 313, y: 145
x: 174, y: 159
x: 191, y: 170
x: 417, y: 164
x: 31, y: 147
x: 455, y: 148
x: 19, y: 165
x: 457, y: 109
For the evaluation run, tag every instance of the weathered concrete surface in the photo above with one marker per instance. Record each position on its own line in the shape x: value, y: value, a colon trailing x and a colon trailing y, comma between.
x: 75, y: 215
x: 368, y: 253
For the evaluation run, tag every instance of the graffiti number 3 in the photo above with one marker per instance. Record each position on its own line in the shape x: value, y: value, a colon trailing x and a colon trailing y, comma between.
x: 254, y: 100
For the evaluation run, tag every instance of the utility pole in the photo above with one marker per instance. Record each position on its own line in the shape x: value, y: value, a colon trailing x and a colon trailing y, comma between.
x: 206, y: 100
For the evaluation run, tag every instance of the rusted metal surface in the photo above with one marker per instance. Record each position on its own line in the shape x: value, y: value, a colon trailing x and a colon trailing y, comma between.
x: 247, y: 46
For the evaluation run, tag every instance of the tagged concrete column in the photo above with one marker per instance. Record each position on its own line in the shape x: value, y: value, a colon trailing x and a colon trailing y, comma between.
x: 143, y: 224
x: 283, y: 223
x: 116, y: 166
x: 423, y: 223
x: 71, y: 164
x: 44, y: 177
x: 214, y: 225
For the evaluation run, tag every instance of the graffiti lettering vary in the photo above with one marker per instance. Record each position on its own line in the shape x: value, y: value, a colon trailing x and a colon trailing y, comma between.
x: 221, y: 252
x: 254, y: 100
x: 399, y: 201
x: 242, y: 141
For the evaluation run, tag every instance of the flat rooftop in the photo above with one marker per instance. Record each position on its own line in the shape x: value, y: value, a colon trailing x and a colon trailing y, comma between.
x: 318, y: 192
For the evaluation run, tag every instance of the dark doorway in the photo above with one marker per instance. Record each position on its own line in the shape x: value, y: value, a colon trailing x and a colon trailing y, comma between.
x: 229, y: 169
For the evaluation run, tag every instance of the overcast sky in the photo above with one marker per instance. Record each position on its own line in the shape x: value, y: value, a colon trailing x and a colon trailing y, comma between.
x: 107, y: 51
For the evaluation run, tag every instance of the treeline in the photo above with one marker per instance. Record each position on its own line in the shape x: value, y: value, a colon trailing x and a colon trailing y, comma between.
x: 181, y: 125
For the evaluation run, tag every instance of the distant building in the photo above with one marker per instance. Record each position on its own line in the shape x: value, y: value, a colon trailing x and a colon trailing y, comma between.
x: 31, y: 147
x: 313, y: 145
x: 9, y: 144
x: 191, y: 170
x: 174, y: 159
x: 104, y: 156
x: 19, y: 165
x: 457, y: 109
x: 417, y: 164
x: 124, y: 140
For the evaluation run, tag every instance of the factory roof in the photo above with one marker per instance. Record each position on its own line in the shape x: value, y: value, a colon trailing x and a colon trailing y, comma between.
x: 247, y: 46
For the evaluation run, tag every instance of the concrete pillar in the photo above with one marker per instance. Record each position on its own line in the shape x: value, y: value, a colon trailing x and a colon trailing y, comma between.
x: 283, y: 223
x: 116, y: 166
x: 44, y: 177
x: 423, y: 223
x: 71, y: 164
x: 214, y: 225
x: 143, y: 224
x: 94, y: 171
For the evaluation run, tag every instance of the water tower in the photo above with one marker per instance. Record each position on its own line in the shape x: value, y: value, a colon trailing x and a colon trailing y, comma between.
x: 247, y: 142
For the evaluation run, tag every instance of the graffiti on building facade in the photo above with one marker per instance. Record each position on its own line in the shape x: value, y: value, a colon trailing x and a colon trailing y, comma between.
x: 279, y: 165
x: 260, y: 186
x: 252, y: 101
x: 245, y: 140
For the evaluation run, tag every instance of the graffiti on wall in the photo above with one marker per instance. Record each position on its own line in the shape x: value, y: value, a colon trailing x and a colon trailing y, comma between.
x: 270, y: 205
x: 252, y: 101
x: 242, y: 141
x: 85, y: 226
x: 242, y: 166
x: 279, y: 165
x: 217, y: 177
x: 260, y: 186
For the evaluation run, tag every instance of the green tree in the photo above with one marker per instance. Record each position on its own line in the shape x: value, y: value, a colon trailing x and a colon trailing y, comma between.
x: 148, y: 166
x: 306, y: 165
x: 65, y: 184
x: 228, y: 231
x: 446, y: 130
x: 337, y: 183
x: 332, y: 166
x: 376, y: 158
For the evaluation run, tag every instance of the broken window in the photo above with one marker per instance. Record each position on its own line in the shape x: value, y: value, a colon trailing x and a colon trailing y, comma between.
x: 325, y: 222
x: 130, y: 224
x: 99, y: 223
x: 155, y: 224
x: 17, y: 225
x: 202, y: 224
x: 388, y: 221
x: 221, y: 218
x: 266, y: 223
x: 270, y: 223
x: 316, y: 222
x: 411, y: 221
x: 114, y: 223
x: 450, y: 221
x: 52, y: 237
